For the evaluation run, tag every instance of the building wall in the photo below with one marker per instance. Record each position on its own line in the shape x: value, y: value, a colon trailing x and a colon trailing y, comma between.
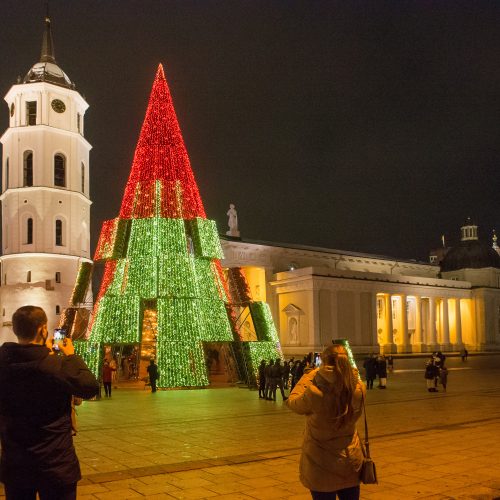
x: 361, y: 298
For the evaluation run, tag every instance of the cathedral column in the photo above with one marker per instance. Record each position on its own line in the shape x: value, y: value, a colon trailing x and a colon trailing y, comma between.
x: 374, y: 326
x: 388, y: 344
x: 445, y: 346
x: 417, y: 336
x: 458, y: 325
x: 432, y: 334
x: 358, y: 339
x: 405, y: 345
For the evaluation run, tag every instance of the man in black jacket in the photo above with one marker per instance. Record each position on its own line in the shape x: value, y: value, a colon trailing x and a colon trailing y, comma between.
x: 153, y: 374
x: 36, y: 387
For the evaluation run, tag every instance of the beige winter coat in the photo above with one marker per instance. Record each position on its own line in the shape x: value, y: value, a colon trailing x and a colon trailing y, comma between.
x: 331, y: 457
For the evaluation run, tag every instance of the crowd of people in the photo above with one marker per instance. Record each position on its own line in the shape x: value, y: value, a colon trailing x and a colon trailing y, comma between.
x: 276, y: 374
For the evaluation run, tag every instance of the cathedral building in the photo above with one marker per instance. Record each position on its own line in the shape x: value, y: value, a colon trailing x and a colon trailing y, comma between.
x: 380, y: 304
x: 45, y: 190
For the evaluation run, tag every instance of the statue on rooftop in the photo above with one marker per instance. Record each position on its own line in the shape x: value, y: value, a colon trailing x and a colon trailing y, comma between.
x: 232, y: 222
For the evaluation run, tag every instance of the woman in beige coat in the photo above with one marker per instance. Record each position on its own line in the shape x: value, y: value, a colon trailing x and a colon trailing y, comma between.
x: 331, y: 398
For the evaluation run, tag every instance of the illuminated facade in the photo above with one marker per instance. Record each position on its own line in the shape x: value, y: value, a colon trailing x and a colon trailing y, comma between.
x: 45, y: 191
x: 378, y: 303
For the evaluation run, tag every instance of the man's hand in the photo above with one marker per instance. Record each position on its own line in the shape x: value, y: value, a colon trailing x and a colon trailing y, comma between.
x: 66, y: 347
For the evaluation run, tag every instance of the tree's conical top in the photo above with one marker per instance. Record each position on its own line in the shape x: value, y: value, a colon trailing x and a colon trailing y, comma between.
x: 161, y: 181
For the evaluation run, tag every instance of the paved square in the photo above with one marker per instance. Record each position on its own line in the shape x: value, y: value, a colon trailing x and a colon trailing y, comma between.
x: 228, y: 444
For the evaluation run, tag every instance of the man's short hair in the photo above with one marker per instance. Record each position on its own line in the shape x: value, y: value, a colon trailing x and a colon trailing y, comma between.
x: 26, y: 321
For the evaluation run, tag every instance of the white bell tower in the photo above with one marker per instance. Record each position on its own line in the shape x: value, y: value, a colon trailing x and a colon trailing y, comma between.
x: 45, y: 191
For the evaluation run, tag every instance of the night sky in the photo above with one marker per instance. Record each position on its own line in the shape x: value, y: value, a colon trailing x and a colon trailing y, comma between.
x: 365, y: 126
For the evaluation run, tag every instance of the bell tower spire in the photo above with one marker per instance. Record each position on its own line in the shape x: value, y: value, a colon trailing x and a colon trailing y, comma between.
x: 47, y: 54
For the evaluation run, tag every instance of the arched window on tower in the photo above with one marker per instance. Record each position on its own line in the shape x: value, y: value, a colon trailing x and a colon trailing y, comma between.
x: 83, y: 177
x: 28, y: 169
x: 29, y: 231
x: 59, y: 233
x: 59, y: 170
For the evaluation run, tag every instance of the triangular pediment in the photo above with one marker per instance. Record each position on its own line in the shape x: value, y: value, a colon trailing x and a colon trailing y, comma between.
x: 292, y: 309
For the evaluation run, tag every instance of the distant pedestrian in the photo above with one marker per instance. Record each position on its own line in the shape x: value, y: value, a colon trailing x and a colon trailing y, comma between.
x: 293, y: 376
x: 269, y: 379
x: 443, y: 377
x: 278, y: 379
x: 431, y: 374
x: 114, y: 367
x: 262, y: 379
x: 390, y: 363
x: 153, y: 374
x: 463, y: 354
x: 370, y: 366
x: 382, y: 372
x: 442, y: 358
x: 286, y: 374
x: 299, y: 371
x: 107, y: 377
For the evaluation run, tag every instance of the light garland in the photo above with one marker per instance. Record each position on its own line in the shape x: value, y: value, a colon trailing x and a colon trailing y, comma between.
x: 82, y: 283
x: 162, y: 254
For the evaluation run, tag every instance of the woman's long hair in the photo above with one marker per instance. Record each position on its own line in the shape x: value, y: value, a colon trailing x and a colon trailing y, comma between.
x: 335, y: 356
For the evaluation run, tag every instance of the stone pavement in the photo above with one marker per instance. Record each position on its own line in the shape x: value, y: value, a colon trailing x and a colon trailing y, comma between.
x: 228, y: 444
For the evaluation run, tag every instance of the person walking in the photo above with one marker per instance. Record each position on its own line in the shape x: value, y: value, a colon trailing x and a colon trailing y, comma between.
x: 36, y: 391
x: 370, y: 366
x: 153, y: 374
x: 331, y: 399
x: 382, y: 372
x: 107, y: 377
x: 262, y: 379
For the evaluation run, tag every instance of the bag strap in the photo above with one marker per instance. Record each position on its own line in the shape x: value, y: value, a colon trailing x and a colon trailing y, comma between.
x: 366, y: 442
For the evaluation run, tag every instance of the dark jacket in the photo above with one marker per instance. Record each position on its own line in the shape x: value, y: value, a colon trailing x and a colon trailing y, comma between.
x: 370, y: 365
x: 35, y: 414
x: 382, y: 368
x: 277, y: 371
x: 431, y: 371
x: 153, y: 372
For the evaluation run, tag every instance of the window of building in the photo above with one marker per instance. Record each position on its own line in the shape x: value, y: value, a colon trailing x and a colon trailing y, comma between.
x: 59, y: 170
x: 79, y: 122
x: 59, y: 233
x: 28, y: 169
x: 31, y: 113
x: 3, y: 311
x: 29, y: 231
x: 58, y: 277
x: 83, y: 177
x: 58, y: 309
x: 28, y: 277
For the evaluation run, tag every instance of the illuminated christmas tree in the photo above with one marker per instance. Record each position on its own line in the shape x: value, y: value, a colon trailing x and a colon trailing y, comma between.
x: 163, y: 285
